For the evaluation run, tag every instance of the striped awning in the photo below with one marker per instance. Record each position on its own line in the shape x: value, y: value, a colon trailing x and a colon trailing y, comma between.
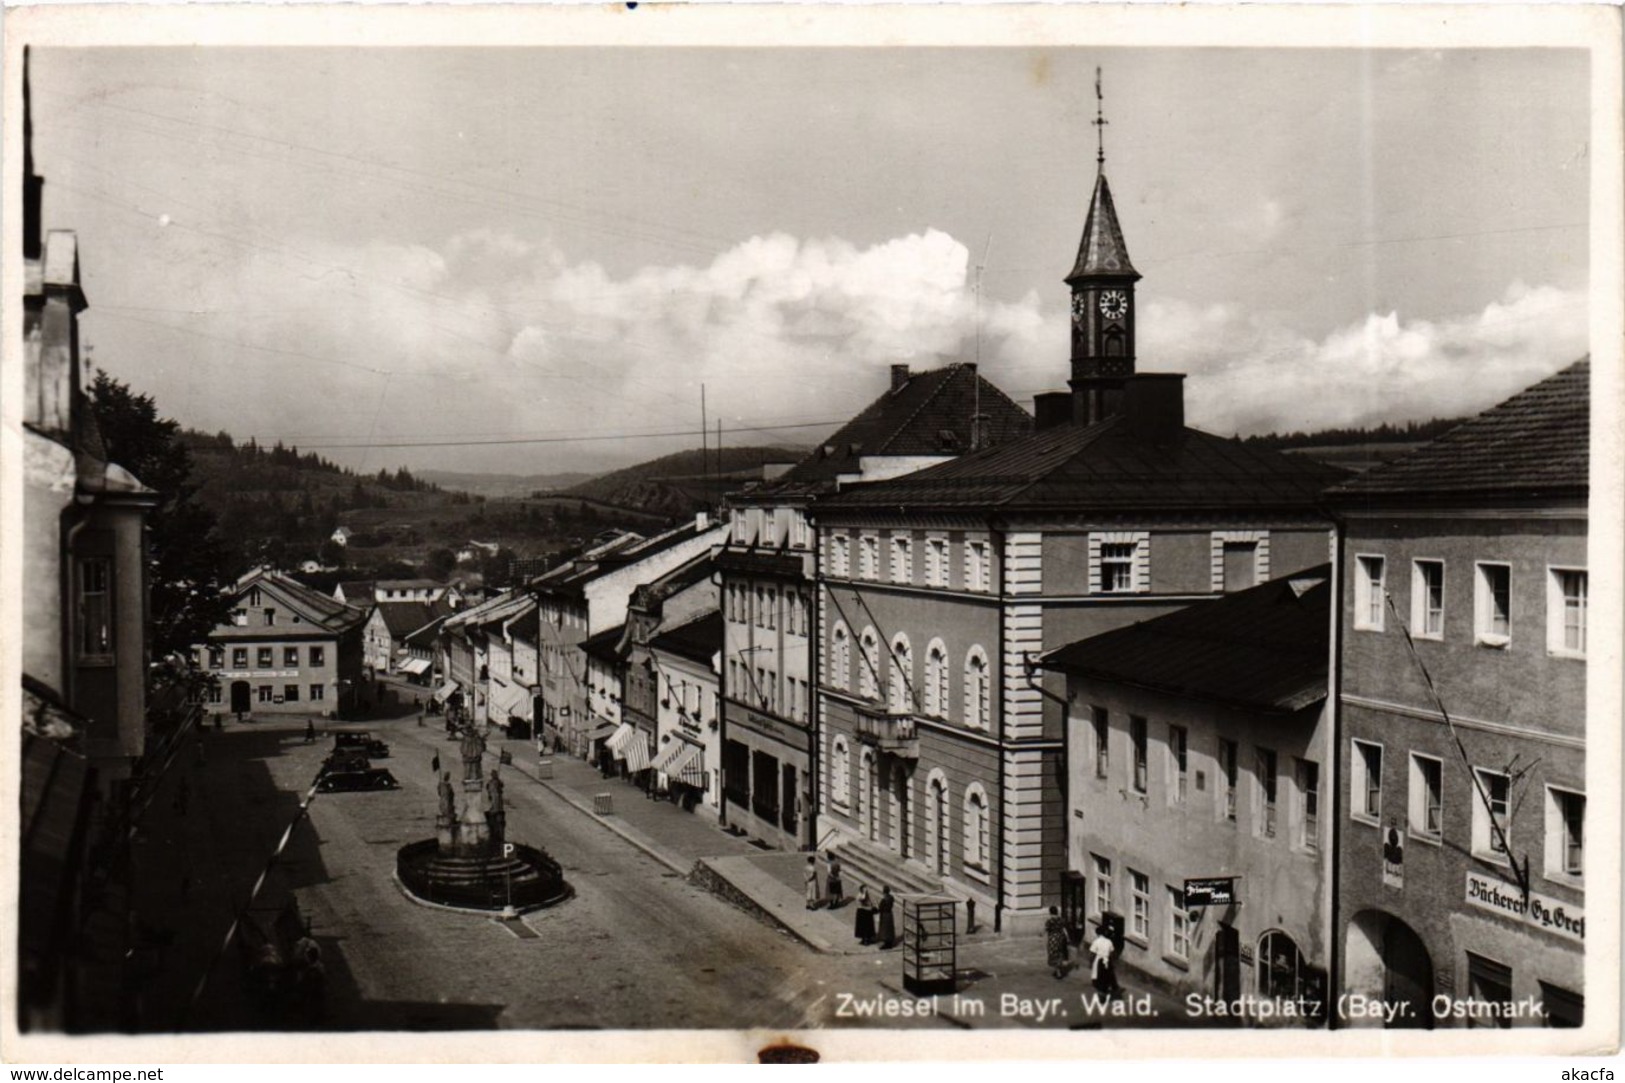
x: 663, y: 761
x: 689, y: 767
x: 414, y: 666
x: 634, y: 750
x: 617, y: 740
x: 603, y: 729
x: 445, y: 691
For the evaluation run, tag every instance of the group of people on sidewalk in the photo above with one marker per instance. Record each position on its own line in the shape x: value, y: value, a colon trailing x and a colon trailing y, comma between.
x: 1103, y: 966
x: 874, y: 920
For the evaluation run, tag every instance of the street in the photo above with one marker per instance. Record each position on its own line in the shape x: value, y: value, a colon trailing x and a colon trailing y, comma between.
x: 637, y: 945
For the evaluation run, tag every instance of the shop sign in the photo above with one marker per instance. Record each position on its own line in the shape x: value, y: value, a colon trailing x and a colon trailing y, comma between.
x: 788, y: 734
x: 1542, y: 911
x: 1210, y: 891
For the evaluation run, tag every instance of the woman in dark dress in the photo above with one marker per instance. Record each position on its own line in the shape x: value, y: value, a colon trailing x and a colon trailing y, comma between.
x: 1055, y: 942
x: 864, y: 928
x: 888, y: 924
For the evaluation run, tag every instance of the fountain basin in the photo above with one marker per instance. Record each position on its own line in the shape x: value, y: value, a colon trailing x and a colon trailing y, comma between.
x: 526, y: 878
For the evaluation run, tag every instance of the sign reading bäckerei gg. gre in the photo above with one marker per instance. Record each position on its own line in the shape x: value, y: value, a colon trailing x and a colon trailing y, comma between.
x: 1542, y: 911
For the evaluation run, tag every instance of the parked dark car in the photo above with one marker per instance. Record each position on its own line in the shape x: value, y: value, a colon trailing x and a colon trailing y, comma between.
x: 345, y: 760
x: 363, y: 742
x: 371, y: 778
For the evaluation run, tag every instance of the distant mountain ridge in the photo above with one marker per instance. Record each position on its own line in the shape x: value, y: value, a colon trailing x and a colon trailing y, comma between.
x: 503, y: 485
x: 684, y: 482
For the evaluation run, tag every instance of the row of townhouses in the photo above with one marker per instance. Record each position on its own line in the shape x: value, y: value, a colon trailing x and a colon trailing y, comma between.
x: 1276, y: 724
x: 1284, y: 730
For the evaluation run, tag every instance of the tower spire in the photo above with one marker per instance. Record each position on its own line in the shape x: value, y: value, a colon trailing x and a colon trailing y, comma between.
x: 1100, y: 123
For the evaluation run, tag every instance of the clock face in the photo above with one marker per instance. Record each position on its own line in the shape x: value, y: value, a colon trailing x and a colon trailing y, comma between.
x: 1113, y: 304
x: 1080, y: 305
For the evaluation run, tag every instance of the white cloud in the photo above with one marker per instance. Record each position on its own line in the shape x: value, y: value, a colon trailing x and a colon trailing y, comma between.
x: 494, y: 335
x: 1247, y: 378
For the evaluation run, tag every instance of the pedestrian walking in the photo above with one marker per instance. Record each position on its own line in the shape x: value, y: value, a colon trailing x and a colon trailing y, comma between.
x: 811, y: 880
x: 833, y: 886
x: 1101, y: 970
x: 436, y: 765
x: 1055, y: 942
x: 888, y: 923
x: 864, y: 927
x: 310, y: 731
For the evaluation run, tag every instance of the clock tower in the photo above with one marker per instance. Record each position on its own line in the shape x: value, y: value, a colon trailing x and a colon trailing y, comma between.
x: 1102, y: 282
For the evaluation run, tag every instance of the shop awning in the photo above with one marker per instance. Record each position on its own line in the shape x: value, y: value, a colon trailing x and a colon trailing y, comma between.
x: 637, y: 752
x: 689, y: 767
x: 510, y: 701
x: 414, y: 667
x: 668, y: 754
x: 445, y: 691
x: 618, y: 740
x: 602, y: 730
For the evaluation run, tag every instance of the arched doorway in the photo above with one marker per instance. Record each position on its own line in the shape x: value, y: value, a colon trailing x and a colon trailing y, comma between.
x: 239, y: 697
x: 1385, y: 960
x: 936, y: 825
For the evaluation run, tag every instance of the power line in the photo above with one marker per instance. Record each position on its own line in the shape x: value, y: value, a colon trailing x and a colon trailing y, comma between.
x: 564, y: 439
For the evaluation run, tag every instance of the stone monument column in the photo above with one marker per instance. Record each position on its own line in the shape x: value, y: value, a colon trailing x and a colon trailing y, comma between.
x: 473, y: 750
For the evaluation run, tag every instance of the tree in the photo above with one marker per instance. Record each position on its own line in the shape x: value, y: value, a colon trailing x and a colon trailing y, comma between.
x: 187, y: 566
x: 440, y: 564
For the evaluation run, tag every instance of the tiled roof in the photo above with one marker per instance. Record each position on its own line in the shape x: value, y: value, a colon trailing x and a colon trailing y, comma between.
x: 1264, y: 648
x: 930, y: 414
x: 313, y: 607
x: 1102, y: 250
x: 1535, y: 444
x: 1105, y: 466
x: 603, y: 645
x: 403, y: 618
x: 570, y: 580
x: 359, y: 592
x: 505, y: 606
x: 697, y: 639
x: 408, y: 584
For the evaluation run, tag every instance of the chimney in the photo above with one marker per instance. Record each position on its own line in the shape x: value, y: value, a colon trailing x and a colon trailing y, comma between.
x: 980, y: 434
x: 1051, y: 410
x: 899, y: 376
x: 702, y: 521
x: 1154, y: 406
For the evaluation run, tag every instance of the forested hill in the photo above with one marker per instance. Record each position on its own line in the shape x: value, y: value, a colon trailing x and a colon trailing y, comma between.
x: 684, y: 482
x: 1410, y: 432
x: 295, y: 498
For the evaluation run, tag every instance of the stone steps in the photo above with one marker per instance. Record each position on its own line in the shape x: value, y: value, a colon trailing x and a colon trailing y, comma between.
x: 863, y: 864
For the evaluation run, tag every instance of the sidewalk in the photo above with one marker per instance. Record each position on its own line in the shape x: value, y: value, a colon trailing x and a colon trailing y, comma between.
x: 1004, y: 980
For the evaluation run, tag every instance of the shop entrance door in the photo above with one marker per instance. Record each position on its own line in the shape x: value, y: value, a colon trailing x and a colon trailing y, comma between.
x: 239, y: 697
x: 1227, y: 960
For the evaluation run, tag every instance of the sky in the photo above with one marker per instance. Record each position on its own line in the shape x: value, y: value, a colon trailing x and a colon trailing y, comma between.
x: 355, y: 249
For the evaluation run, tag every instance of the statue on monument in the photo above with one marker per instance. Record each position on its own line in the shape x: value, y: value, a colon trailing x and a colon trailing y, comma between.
x: 495, y: 817
x: 473, y: 749
x: 448, y: 797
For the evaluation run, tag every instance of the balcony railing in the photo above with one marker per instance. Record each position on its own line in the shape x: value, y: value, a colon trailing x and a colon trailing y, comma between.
x: 889, y: 731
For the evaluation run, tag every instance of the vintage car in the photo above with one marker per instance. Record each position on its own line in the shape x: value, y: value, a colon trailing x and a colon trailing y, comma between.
x: 368, y: 778
x: 341, y: 759
x: 360, y: 741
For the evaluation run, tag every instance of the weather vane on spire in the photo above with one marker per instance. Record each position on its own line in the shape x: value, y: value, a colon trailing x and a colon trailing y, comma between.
x: 1100, y: 123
